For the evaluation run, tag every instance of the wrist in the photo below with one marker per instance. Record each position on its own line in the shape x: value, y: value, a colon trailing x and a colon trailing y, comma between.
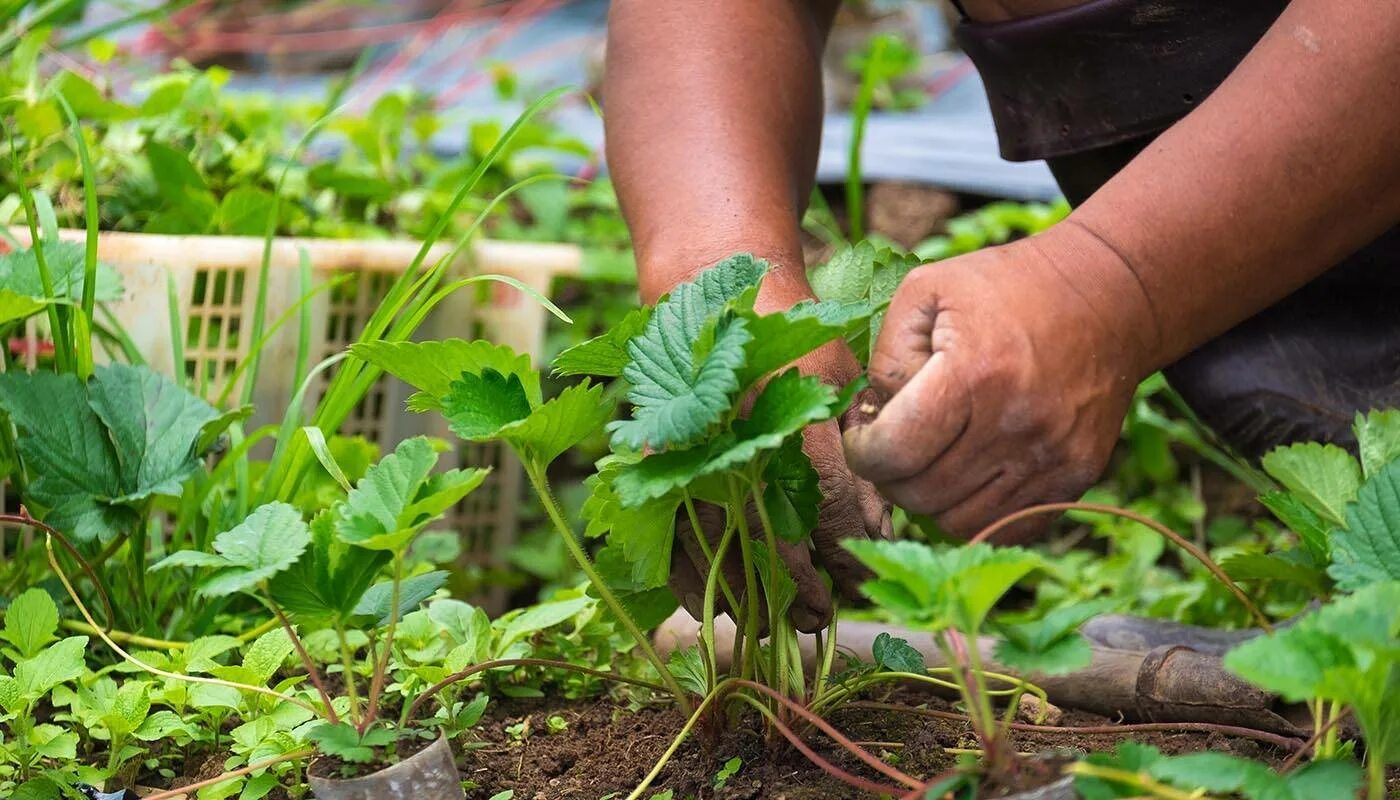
x: 784, y: 286
x: 1095, y: 278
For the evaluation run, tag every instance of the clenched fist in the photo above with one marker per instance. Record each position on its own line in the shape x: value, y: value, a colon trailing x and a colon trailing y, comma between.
x: 1008, y: 372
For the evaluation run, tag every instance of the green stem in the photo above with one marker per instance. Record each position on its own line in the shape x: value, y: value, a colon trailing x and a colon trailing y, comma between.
x: 704, y: 543
x: 347, y: 663
x: 132, y: 639
x: 1136, y: 780
x: 381, y: 667
x: 62, y: 348
x: 541, y: 485
x: 1375, y: 774
x: 311, y: 670
x: 777, y: 628
x: 707, y: 615
x: 751, y: 654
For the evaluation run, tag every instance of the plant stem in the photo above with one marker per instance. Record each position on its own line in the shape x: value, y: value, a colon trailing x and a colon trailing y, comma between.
x: 185, y: 791
x: 812, y: 756
x: 678, y: 741
x: 777, y: 628
x: 605, y: 593
x: 381, y: 667
x: 860, y: 115
x: 311, y: 669
x: 1142, y: 519
x: 347, y: 663
x: 707, y: 614
x: 1136, y: 780
x: 135, y: 640
x: 62, y: 348
x: 1375, y: 774
x: 737, y: 512
x: 704, y: 543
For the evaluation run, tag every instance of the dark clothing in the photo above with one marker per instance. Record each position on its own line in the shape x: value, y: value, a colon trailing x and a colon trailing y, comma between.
x: 1089, y: 87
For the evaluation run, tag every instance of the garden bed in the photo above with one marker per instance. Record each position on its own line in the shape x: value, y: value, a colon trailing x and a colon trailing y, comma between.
x: 607, y: 748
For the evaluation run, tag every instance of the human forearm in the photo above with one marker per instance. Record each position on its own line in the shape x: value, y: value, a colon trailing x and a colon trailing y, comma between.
x: 1286, y: 168
x: 713, y: 122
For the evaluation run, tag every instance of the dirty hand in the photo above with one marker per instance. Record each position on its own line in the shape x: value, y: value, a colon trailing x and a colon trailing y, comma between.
x: 851, y: 507
x: 1007, y: 374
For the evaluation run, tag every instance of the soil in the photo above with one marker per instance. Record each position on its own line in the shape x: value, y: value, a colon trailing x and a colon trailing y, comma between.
x: 608, y: 749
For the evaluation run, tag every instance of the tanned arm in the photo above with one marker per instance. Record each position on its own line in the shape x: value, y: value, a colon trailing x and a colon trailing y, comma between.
x: 1011, y: 368
x: 713, y: 115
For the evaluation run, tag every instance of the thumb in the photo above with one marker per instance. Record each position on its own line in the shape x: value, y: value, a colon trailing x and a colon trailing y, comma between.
x: 918, y: 424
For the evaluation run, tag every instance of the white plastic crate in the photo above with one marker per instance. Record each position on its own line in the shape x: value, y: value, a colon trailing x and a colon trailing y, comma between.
x: 216, y: 286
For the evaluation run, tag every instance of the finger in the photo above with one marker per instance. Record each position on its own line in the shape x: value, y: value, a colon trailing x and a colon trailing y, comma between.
x: 842, y: 514
x: 686, y: 582
x: 985, y: 506
x: 943, y: 486
x: 811, y: 609
x: 906, y: 337
x: 915, y: 427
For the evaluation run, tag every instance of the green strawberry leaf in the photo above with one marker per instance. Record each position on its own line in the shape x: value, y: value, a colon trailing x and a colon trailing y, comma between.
x: 154, y: 424
x: 648, y: 607
x: 953, y: 588
x: 792, y: 494
x: 603, y: 356
x: 897, y: 655
x: 577, y: 413
x: 786, y: 405
x: 1378, y: 439
x: 73, y: 467
x: 1323, y: 476
x: 378, y: 602
x: 269, y: 541
x: 342, y: 741
x: 1367, y: 550
x: 129, y: 708
x: 19, y: 273
x: 478, y: 406
x: 678, y: 397
x: 682, y: 376
x: 1050, y: 645
x: 326, y: 583
x: 1217, y: 772
x: 1302, y: 520
x: 95, y: 449
x: 31, y: 622
x: 1345, y: 652
x: 847, y: 276
x: 779, y: 339
x: 400, y: 496
x: 1294, y: 566
x: 432, y: 367
x: 1323, y: 778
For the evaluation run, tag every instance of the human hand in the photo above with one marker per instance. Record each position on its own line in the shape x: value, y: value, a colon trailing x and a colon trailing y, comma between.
x: 851, y: 507
x: 1008, y: 373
